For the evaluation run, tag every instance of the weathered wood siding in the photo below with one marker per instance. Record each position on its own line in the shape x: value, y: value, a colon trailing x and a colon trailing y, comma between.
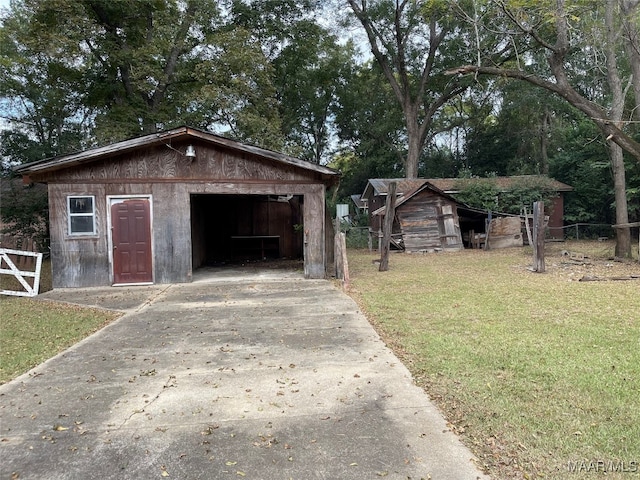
x: 314, y: 248
x: 170, y: 179
x: 505, y: 232
x: 450, y: 235
x: 171, y: 233
x: 424, y: 225
x: 165, y: 164
x: 81, y: 261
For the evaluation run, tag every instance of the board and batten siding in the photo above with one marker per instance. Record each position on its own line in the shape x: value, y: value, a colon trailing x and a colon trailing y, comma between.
x: 170, y: 179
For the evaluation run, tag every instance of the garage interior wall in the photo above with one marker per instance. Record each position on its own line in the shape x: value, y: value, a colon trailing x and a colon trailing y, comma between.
x: 216, y: 219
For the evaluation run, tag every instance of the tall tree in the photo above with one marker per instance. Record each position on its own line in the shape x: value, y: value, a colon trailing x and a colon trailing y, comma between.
x: 630, y: 17
x: 151, y: 64
x: 414, y: 42
x: 42, y: 102
x: 612, y: 41
x: 543, y: 27
x: 531, y: 19
x: 142, y: 56
x: 309, y: 64
x: 518, y: 134
x: 370, y: 130
x: 309, y: 74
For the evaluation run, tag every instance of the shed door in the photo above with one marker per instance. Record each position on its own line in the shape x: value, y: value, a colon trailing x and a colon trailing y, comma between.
x: 452, y: 239
x: 131, y: 239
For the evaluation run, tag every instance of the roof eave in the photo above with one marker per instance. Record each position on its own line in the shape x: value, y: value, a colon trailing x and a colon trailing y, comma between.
x: 74, y: 159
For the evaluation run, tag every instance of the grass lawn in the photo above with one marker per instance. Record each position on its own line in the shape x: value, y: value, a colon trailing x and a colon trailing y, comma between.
x: 31, y: 331
x: 538, y: 373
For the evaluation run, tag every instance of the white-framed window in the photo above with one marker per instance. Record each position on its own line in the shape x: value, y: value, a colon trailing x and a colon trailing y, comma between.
x: 82, y: 214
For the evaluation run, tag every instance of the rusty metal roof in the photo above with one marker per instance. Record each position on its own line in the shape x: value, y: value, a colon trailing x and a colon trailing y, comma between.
x: 360, y: 202
x: 380, y: 186
x: 451, y: 185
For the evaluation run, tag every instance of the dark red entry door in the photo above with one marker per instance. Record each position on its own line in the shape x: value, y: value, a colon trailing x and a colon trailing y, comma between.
x: 131, y: 237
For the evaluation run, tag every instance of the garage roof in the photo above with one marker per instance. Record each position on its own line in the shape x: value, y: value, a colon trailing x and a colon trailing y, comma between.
x: 180, y: 133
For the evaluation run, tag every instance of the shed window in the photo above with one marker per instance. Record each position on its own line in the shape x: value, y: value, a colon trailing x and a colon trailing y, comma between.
x: 82, y: 215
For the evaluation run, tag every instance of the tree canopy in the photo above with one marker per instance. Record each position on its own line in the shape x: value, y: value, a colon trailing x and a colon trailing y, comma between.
x: 376, y: 88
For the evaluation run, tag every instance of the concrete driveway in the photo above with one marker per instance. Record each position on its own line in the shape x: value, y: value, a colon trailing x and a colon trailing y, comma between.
x: 259, y: 375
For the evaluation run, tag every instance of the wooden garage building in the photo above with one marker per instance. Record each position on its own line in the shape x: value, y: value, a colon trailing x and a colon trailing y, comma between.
x: 155, y: 208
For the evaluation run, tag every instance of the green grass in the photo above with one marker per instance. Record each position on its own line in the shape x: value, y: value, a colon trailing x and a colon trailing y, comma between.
x: 532, y: 370
x: 31, y: 331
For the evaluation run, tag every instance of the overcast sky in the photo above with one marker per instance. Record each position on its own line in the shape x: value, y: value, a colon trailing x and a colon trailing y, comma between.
x: 4, y: 4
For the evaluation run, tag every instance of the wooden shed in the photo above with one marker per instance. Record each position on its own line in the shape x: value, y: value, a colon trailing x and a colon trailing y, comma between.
x: 374, y: 195
x: 430, y: 220
x: 503, y: 230
x: 154, y: 208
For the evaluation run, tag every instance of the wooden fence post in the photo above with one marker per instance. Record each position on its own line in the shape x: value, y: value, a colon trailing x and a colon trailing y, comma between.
x: 389, y: 214
x: 538, y: 237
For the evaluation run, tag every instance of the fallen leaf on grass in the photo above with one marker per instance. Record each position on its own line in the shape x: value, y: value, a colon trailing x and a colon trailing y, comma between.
x: 60, y: 428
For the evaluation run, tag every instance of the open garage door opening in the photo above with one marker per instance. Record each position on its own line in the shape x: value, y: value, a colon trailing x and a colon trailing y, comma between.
x: 240, y: 229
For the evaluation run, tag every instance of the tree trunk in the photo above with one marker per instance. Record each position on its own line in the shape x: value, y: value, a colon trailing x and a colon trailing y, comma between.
x: 623, y: 235
x: 544, y: 141
x: 632, y: 44
x: 413, y: 152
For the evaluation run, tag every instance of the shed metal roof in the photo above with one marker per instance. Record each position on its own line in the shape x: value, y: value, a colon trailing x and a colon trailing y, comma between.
x: 451, y: 185
x: 380, y: 186
x: 359, y: 202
